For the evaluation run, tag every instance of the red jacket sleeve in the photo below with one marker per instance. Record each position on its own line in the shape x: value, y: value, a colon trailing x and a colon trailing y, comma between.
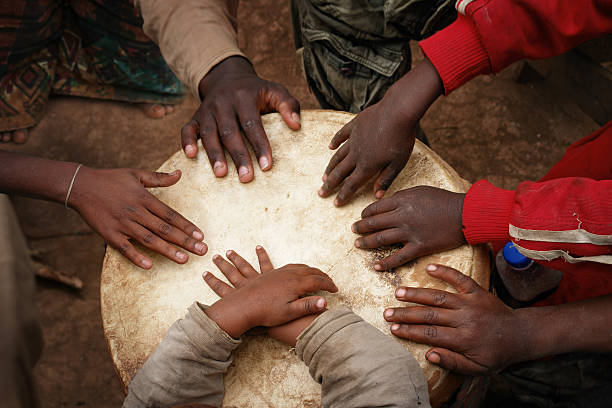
x: 489, y: 35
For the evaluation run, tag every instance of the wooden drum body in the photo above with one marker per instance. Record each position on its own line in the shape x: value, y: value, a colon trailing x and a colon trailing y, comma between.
x: 280, y: 210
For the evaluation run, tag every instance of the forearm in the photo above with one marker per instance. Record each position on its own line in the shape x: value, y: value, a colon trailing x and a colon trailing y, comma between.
x: 35, y: 177
x: 357, y: 365
x: 584, y: 325
x: 187, y: 367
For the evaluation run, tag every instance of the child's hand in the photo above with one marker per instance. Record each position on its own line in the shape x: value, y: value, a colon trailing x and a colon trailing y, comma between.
x: 271, y: 298
x: 425, y: 219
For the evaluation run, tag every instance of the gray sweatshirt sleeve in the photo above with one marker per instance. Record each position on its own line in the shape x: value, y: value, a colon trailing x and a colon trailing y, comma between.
x: 358, y: 366
x: 187, y: 367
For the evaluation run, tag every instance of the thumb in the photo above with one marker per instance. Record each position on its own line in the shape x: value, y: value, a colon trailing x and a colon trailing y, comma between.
x: 289, y: 108
x: 305, y: 306
x: 157, y: 179
x: 454, y: 362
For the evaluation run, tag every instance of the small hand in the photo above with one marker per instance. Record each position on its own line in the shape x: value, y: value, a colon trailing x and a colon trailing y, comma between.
x: 378, y: 142
x: 270, y: 298
x: 116, y: 204
x: 233, y: 97
x: 472, y: 331
x: 425, y: 219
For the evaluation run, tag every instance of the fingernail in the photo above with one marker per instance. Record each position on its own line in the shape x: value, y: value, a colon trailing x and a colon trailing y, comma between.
x: 216, y: 257
x: 395, y: 327
x: 181, y: 256
x: 259, y: 247
x: 321, y: 303
x: 228, y: 253
x: 433, y: 357
x: 353, y: 228
x: 243, y: 171
x: 263, y: 162
x: 204, y: 274
x: 357, y: 244
x: 378, y: 267
x: 146, y: 263
x: 388, y: 312
x: 336, y: 202
x: 199, y: 247
x: 296, y: 117
x: 197, y: 235
x: 379, y: 194
x: 190, y: 150
x: 217, y: 167
x: 432, y: 267
x: 175, y: 173
x: 401, y: 292
x: 321, y: 192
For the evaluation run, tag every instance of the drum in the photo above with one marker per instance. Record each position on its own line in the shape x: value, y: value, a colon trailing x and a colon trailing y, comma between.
x: 281, y: 211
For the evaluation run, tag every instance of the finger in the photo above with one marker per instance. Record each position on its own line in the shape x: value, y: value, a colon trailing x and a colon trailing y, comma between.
x: 172, y: 234
x: 127, y: 249
x: 313, y: 283
x: 425, y: 296
x: 281, y: 101
x: 243, y: 266
x: 255, y: 133
x: 419, y: 315
x: 407, y: 253
x: 189, y: 138
x: 335, y: 160
x: 455, y: 362
x: 461, y: 282
x: 380, y: 238
x: 438, y: 336
x: 156, y: 179
x: 339, y: 173
x: 229, y: 271
x: 350, y: 186
x: 212, y: 145
x: 385, y: 179
x: 379, y: 207
x: 265, y: 265
x: 305, y: 306
x: 375, y: 223
x: 229, y: 134
x: 217, y: 285
x: 341, y: 136
x: 175, y: 219
x: 149, y: 240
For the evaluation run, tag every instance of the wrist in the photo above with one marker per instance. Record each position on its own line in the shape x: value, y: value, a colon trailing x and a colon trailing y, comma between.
x: 85, y: 178
x: 289, y: 332
x: 234, y: 65
x: 229, y: 318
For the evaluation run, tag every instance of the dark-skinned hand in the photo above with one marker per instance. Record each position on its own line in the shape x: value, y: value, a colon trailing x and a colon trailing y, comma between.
x: 271, y: 298
x: 117, y: 205
x: 233, y: 98
x: 378, y: 142
x: 472, y: 331
x: 424, y: 219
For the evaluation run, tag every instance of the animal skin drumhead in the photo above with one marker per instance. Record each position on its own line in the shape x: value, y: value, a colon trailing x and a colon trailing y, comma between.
x: 281, y: 211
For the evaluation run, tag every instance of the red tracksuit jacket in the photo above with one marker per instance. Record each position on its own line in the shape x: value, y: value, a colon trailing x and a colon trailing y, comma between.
x: 565, y: 219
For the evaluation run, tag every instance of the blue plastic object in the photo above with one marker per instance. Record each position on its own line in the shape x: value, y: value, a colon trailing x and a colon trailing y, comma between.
x: 514, y: 258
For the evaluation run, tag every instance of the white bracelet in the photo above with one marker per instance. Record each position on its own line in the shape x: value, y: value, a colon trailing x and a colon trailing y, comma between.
x: 71, y: 184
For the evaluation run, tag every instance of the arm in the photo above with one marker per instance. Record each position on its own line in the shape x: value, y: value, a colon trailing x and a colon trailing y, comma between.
x: 198, y: 40
x: 115, y: 203
x: 473, y: 332
x: 489, y: 35
x: 186, y: 367
x: 359, y: 366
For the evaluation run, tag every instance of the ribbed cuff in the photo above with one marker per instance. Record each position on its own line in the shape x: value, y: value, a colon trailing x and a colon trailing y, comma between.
x: 457, y: 53
x: 486, y: 213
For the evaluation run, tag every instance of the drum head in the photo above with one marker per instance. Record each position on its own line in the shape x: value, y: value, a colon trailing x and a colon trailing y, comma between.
x: 281, y: 211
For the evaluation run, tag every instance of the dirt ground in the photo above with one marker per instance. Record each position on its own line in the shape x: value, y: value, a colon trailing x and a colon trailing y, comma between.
x: 492, y: 128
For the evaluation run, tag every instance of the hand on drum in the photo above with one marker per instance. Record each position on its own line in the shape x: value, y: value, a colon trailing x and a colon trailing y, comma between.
x: 233, y: 97
x: 378, y: 141
x: 472, y: 331
x: 116, y: 204
x: 425, y: 219
x: 270, y: 298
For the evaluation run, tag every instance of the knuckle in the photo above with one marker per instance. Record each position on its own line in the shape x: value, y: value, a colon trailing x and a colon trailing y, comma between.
x: 171, y: 214
x: 226, y: 133
x: 380, y: 239
x: 430, y: 316
x: 148, y: 238
x: 124, y: 247
x: 430, y: 331
x: 188, y: 242
x: 439, y: 299
x: 308, y: 306
x: 250, y: 124
x: 205, y: 131
x: 165, y: 228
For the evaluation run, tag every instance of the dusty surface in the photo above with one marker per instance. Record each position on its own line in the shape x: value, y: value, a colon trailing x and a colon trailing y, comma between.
x: 493, y: 128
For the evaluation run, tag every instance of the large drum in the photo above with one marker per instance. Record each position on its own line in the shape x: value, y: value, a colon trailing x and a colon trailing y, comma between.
x: 280, y: 210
